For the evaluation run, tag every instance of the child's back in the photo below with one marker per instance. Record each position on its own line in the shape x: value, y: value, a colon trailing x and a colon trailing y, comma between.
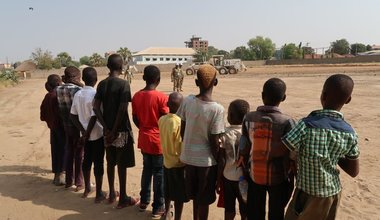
x: 202, y: 117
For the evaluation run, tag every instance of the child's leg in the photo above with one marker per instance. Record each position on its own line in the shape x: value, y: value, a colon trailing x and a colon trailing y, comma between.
x: 69, y: 156
x: 178, y: 207
x: 111, y: 163
x: 86, y: 167
x: 256, y: 200
x: 158, y: 181
x: 78, y: 156
x: 98, y: 158
x: 277, y: 200
x: 146, y: 179
x: 229, y: 198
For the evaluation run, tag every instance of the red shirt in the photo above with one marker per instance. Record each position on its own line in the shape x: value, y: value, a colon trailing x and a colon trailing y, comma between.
x: 148, y: 106
x: 50, y: 111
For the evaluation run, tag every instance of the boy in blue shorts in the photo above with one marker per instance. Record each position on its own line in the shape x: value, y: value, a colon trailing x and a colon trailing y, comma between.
x: 201, y: 129
x: 323, y: 140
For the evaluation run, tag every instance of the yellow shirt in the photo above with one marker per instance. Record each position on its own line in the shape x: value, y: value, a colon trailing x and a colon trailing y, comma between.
x: 171, y: 141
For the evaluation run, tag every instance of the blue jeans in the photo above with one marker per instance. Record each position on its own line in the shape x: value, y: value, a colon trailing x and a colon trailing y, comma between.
x: 152, y: 166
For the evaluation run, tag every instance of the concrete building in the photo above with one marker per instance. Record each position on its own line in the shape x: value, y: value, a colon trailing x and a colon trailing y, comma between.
x: 162, y: 55
x: 197, y: 44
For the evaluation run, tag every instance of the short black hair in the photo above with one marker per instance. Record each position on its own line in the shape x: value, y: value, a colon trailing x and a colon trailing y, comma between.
x: 152, y: 74
x: 89, y: 75
x: 53, y: 80
x: 274, y: 90
x: 71, y: 72
x: 237, y: 110
x: 338, y: 88
x: 115, y: 62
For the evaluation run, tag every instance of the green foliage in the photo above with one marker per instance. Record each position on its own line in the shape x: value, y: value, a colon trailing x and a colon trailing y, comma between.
x: 226, y: 54
x: 8, y: 75
x: 291, y: 51
x: 262, y: 48
x: 358, y: 48
x: 340, y: 47
x: 125, y: 53
x: 308, y: 50
x: 57, y: 63
x: 369, y: 47
x: 97, y: 60
x: 44, y: 59
x: 243, y: 53
x: 85, y: 60
x: 64, y: 58
x: 200, y: 56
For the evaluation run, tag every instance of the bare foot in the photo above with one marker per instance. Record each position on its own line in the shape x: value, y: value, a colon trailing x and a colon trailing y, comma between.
x: 99, y: 199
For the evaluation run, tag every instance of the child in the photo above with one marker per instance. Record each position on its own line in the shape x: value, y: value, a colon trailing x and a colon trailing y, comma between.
x: 148, y: 105
x: 111, y: 109
x: 174, y: 171
x: 65, y: 95
x: 50, y: 114
x: 268, y: 156
x: 229, y: 173
x: 323, y: 140
x: 84, y: 119
x: 201, y: 127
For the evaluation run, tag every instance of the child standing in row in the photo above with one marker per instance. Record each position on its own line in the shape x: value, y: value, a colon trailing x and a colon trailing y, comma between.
x: 73, y: 154
x: 84, y: 119
x: 50, y: 114
x: 228, y: 172
x: 174, y: 170
x: 269, y: 158
x: 323, y: 140
x: 148, y: 105
x: 201, y: 128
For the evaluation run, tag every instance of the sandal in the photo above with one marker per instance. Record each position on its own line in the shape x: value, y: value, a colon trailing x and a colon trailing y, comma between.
x: 130, y: 202
x: 100, y: 198
x: 112, y: 200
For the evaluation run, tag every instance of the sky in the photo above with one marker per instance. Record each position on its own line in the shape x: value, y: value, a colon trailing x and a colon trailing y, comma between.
x: 83, y: 27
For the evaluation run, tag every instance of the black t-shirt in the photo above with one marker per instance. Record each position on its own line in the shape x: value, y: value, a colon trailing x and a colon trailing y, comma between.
x: 112, y: 92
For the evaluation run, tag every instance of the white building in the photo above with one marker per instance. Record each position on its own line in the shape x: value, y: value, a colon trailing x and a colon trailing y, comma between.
x: 162, y: 55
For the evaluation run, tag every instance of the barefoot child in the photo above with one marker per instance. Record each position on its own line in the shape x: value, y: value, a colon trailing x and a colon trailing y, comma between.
x: 323, y: 140
x: 73, y: 155
x: 111, y: 108
x: 228, y: 172
x: 268, y: 156
x: 202, y: 124
x: 174, y: 170
x: 148, y: 105
x: 50, y: 114
x: 84, y: 119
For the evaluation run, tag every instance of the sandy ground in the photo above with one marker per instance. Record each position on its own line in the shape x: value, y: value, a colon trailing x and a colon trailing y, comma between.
x: 26, y: 191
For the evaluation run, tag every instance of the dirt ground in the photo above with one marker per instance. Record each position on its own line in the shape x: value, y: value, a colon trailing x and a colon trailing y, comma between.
x: 26, y: 191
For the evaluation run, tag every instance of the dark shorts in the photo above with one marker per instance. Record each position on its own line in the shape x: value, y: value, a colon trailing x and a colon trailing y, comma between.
x: 231, y: 193
x: 174, y: 184
x: 94, y: 153
x: 121, y: 156
x: 201, y: 183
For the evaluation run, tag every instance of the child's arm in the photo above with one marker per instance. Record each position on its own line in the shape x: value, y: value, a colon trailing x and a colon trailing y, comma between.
x: 135, y: 120
x: 120, y: 113
x: 99, y: 115
x: 350, y: 166
x: 43, y: 109
x: 183, y: 126
x: 215, y: 143
x: 221, y: 165
x: 76, y: 122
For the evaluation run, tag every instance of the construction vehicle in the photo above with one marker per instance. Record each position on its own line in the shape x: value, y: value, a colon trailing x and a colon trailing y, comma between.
x: 224, y: 66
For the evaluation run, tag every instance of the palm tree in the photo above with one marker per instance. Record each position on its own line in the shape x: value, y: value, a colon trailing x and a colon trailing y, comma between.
x: 125, y: 53
x: 97, y: 60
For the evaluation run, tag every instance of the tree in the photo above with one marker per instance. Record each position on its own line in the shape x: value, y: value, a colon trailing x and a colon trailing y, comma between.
x: 263, y: 48
x: 340, y: 47
x: 64, y: 58
x: 57, y: 63
x: 308, y: 50
x: 125, y: 53
x: 226, y: 54
x: 200, y: 56
x: 44, y: 59
x: 97, y: 60
x: 243, y: 53
x: 291, y: 51
x: 85, y: 60
x: 358, y: 48
x: 211, y: 51
x: 369, y: 47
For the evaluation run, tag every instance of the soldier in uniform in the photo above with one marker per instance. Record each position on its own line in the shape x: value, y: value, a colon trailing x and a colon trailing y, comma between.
x: 177, y: 77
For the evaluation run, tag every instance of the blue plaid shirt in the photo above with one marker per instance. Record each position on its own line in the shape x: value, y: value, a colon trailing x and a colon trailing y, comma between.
x: 65, y: 96
x: 320, y: 140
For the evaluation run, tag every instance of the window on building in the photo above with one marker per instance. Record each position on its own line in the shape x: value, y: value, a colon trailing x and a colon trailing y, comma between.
x: 174, y: 59
x: 161, y: 59
x: 154, y: 59
x: 147, y: 59
x: 185, y: 59
x: 180, y: 59
x: 167, y: 59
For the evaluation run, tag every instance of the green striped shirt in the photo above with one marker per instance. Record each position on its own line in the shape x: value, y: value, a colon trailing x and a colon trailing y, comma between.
x: 320, y: 140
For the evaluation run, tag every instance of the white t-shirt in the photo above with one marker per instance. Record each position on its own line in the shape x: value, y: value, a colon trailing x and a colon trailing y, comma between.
x: 82, y: 106
x: 202, y: 119
x: 230, y: 142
